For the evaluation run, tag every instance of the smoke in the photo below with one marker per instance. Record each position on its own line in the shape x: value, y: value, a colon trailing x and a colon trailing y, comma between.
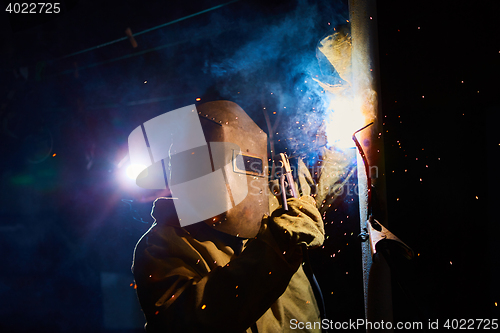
x: 269, y: 63
x: 270, y: 43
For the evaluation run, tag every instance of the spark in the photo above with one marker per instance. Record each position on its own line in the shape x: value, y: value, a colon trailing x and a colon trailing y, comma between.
x: 198, y: 99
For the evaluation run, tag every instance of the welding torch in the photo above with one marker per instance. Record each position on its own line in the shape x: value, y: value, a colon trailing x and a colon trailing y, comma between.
x: 287, y: 188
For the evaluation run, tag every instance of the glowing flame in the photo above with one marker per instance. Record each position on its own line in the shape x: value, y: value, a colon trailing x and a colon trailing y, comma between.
x: 134, y: 170
x: 344, y: 119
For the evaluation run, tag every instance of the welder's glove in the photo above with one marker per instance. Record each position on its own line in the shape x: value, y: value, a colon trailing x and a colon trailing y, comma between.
x: 301, y: 224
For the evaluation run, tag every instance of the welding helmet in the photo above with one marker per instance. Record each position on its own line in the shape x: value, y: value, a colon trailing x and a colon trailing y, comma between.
x: 213, y: 158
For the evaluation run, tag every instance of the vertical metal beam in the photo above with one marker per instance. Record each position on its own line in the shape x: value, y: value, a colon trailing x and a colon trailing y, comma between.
x: 365, y: 71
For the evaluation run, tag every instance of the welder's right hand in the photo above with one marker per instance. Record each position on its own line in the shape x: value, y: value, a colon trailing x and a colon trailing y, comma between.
x: 300, y: 224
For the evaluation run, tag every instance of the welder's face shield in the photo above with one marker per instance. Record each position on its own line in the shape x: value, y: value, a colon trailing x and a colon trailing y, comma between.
x: 229, y: 129
x: 213, y: 157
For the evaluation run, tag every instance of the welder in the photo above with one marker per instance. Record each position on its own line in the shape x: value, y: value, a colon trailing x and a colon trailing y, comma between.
x: 239, y: 270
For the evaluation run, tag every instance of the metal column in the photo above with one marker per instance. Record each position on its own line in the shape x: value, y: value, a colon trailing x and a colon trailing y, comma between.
x: 365, y: 71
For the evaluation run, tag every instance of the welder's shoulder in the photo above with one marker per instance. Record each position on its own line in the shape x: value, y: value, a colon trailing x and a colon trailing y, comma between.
x: 163, y: 246
x: 161, y: 241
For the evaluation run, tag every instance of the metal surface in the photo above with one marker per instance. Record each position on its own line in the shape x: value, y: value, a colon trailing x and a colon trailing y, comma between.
x: 376, y: 279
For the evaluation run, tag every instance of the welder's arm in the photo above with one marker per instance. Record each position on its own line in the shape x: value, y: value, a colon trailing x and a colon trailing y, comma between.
x: 327, y: 177
x: 179, y: 295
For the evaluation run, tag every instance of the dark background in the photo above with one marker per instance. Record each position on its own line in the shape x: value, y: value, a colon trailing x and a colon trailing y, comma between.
x: 69, y: 221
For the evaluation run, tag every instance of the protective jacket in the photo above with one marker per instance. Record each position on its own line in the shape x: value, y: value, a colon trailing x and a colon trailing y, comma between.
x: 198, y: 279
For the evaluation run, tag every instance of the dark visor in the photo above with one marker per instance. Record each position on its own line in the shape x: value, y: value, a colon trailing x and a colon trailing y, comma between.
x: 248, y: 164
